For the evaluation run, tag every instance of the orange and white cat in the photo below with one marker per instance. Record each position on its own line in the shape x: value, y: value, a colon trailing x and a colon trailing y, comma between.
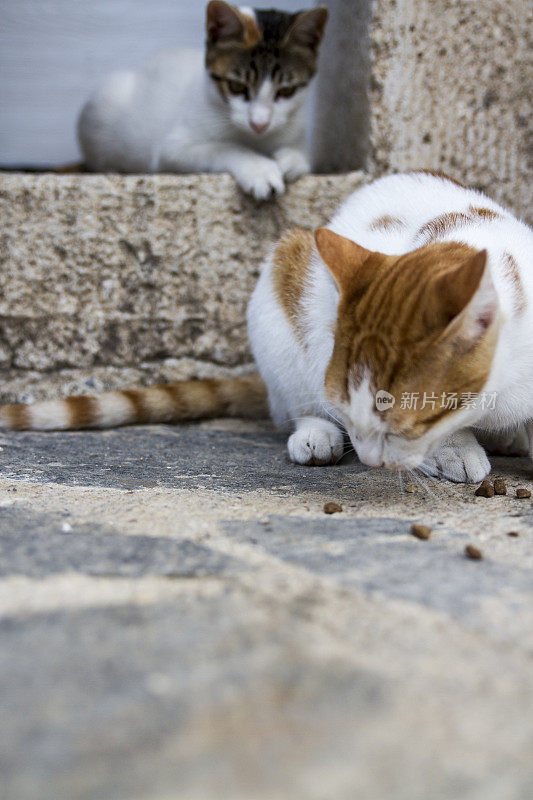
x: 405, y: 322
x: 418, y: 292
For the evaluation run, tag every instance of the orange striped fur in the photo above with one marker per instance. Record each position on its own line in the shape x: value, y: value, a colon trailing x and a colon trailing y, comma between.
x: 175, y: 402
x: 387, y: 223
x: 399, y: 321
x: 252, y: 34
x: 513, y: 274
x: 436, y: 228
x: 438, y: 174
x: 290, y: 269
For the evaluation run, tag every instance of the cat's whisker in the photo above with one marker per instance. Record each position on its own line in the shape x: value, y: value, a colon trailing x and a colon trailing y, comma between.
x: 400, y: 479
x: 418, y: 478
x: 325, y: 411
x: 345, y: 453
x: 333, y: 417
x: 450, y: 487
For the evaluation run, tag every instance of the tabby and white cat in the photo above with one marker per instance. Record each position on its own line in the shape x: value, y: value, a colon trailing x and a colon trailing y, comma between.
x: 418, y: 287
x: 238, y: 109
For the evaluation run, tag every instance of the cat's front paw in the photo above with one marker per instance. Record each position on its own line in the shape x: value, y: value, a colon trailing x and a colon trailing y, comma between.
x: 314, y: 445
x: 458, y: 458
x: 292, y: 163
x: 261, y: 177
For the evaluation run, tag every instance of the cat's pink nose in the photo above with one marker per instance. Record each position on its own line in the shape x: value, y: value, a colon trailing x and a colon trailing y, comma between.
x: 259, y: 127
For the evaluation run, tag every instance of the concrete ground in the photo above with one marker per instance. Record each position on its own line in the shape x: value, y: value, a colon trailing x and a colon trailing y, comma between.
x: 179, y: 619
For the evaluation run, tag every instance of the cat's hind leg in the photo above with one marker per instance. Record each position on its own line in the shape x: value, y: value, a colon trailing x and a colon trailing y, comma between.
x: 315, y: 442
x: 458, y: 458
x: 529, y: 432
x: 512, y: 442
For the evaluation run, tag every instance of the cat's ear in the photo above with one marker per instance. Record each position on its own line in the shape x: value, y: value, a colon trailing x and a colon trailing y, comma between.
x: 223, y: 22
x: 308, y: 28
x: 468, y: 297
x: 344, y: 259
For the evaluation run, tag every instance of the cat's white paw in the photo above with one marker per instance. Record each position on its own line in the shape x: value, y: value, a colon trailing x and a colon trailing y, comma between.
x: 261, y: 177
x: 292, y: 163
x: 316, y: 443
x: 458, y: 458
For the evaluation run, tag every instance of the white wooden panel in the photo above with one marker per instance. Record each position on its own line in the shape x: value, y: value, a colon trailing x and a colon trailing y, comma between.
x: 54, y: 52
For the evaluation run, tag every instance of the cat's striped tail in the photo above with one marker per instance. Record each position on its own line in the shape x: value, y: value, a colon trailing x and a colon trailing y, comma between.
x: 175, y: 402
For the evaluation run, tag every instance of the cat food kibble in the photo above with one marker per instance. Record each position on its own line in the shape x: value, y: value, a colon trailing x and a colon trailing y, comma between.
x: 499, y: 486
x: 410, y: 488
x: 332, y: 508
x: 485, y: 490
x: 473, y: 552
x: 421, y: 531
x: 522, y: 493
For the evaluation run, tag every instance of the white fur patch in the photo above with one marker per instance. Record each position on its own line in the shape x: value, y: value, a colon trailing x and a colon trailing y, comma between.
x: 249, y: 12
x: 114, y: 409
x: 49, y: 415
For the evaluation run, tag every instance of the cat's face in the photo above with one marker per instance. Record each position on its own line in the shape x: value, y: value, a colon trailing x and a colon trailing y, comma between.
x: 261, y: 62
x: 414, y: 343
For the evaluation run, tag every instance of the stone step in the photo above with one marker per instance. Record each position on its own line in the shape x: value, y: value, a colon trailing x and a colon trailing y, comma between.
x: 111, y: 281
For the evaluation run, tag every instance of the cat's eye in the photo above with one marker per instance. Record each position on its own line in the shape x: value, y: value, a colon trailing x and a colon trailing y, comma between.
x: 286, y: 91
x: 236, y: 87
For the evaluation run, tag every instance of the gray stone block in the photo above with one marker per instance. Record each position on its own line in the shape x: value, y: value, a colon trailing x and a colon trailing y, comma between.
x: 184, y: 700
x: 37, y: 546
x: 111, y: 280
x: 184, y: 457
x: 380, y: 557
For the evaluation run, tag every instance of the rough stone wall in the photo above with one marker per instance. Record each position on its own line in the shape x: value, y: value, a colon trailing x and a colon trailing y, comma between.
x: 452, y: 90
x: 108, y: 281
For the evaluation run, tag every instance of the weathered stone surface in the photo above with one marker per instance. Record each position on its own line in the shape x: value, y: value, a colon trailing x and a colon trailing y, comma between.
x: 101, y: 274
x: 206, y: 631
x: 188, y: 456
x: 451, y: 91
x: 186, y: 700
x: 38, y: 545
x: 379, y: 557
